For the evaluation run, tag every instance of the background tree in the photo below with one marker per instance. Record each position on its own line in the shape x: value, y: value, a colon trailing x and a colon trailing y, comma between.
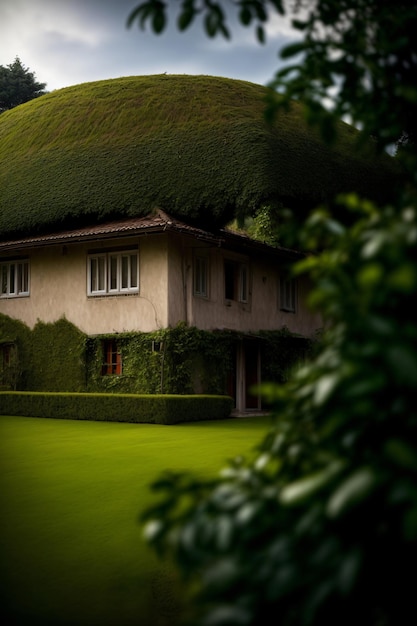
x: 321, y: 525
x: 17, y: 85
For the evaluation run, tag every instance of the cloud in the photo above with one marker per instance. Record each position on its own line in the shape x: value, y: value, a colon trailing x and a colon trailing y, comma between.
x: 71, y: 41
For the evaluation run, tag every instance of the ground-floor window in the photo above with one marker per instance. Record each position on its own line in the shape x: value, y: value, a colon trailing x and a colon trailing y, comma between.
x: 112, y: 361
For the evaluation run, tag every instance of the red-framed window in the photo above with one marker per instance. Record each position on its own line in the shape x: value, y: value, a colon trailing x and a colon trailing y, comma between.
x: 112, y: 358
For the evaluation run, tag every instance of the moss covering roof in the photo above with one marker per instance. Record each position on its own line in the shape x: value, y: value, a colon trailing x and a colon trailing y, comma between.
x: 196, y: 146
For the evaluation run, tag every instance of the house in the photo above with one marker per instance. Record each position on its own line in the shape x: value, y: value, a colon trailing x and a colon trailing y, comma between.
x: 150, y: 274
x: 103, y: 291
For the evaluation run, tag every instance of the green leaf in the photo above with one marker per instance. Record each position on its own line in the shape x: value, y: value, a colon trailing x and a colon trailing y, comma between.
x: 245, y: 16
x: 135, y: 14
x: 185, y: 19
x: 304, y: 488
x: 403, y: 361
x: 325, y: 387
x: 352, y: 490
x: 260, y: 34
x: 293, y: 49
x: 370, y: 275
x: 159, y: 21
x: 403, y: 454
x: 260, y: 11
x: 279, y: 6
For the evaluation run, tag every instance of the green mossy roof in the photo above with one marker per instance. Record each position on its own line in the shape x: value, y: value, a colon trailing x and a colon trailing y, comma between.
x: 196, y: 146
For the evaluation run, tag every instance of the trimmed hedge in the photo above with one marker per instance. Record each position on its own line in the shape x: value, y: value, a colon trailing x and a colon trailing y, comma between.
x: 142, y: 409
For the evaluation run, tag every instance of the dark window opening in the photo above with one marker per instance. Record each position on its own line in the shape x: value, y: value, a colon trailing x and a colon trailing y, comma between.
x: 236, y: 281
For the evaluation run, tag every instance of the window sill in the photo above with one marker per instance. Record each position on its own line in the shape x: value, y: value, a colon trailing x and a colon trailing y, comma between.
x: 104, y: 296
x: 14, y: 297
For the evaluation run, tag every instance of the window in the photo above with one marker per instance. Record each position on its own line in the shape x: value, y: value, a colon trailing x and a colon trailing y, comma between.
x: 236, y: 281
x: 287, y: 294
x: 113, y: 273
x: 201, y: 276
x: 14, y: 276
x: 112, y: 358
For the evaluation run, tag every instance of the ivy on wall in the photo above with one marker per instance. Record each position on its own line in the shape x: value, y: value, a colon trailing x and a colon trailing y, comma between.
x: 187, y: 360
x: 57, y: 357
x: 48, y: 358
x: 17, y: 334
x: 182, y: 360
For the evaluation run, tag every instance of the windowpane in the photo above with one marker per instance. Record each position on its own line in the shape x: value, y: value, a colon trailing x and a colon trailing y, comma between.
x: 21, y: 277
x: 4, y: 279
x: 133, y: 271
x: 12, y: 282
x: 94, y: 275
x: 112, y: 363
x: 25, y: 277
x: 125, y: 272
x: 113, y: 273
x: 200, y: 276
x: 97, y: 274
x: 101, y: 274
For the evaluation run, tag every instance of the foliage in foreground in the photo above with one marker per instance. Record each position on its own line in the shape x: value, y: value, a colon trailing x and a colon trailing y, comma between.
x: 322, y: 526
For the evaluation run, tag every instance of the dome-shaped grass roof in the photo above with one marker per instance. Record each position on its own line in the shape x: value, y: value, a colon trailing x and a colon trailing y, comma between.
x: 196, y: 146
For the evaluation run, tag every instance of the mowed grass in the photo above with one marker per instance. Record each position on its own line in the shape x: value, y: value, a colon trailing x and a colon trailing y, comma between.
x: 71, y: 493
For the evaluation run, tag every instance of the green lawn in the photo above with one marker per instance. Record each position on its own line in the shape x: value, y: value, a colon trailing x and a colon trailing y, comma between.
x: 71, y: 547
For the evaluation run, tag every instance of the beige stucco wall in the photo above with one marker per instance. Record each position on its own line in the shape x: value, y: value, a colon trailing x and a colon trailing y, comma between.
x: 261, y: 312
x: 58, y: 287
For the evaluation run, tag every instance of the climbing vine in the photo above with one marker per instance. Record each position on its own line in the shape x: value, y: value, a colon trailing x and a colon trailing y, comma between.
x: 174, y: 360
x: 181, y: 360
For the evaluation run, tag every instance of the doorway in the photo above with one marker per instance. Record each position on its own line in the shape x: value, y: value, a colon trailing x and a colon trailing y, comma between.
x: 245, y: 375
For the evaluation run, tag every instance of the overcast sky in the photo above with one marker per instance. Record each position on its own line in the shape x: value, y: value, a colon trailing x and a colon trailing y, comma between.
x: 67, y: 42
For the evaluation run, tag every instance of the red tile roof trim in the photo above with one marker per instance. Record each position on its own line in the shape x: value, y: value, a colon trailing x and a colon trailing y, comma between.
x: 158, y: 223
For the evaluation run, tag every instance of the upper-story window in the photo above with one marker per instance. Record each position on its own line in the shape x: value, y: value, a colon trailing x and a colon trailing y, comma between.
x: 287, y: 294
x: 236, y: 281
x: 14, y: 276
x: 200, y: 277
x: 113, y: 273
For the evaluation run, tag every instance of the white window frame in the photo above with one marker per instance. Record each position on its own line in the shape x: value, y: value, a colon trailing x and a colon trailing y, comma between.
x: 201, y: 276
x: 14, y: 278
x: 113, y: 275
x: 288, y: 294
